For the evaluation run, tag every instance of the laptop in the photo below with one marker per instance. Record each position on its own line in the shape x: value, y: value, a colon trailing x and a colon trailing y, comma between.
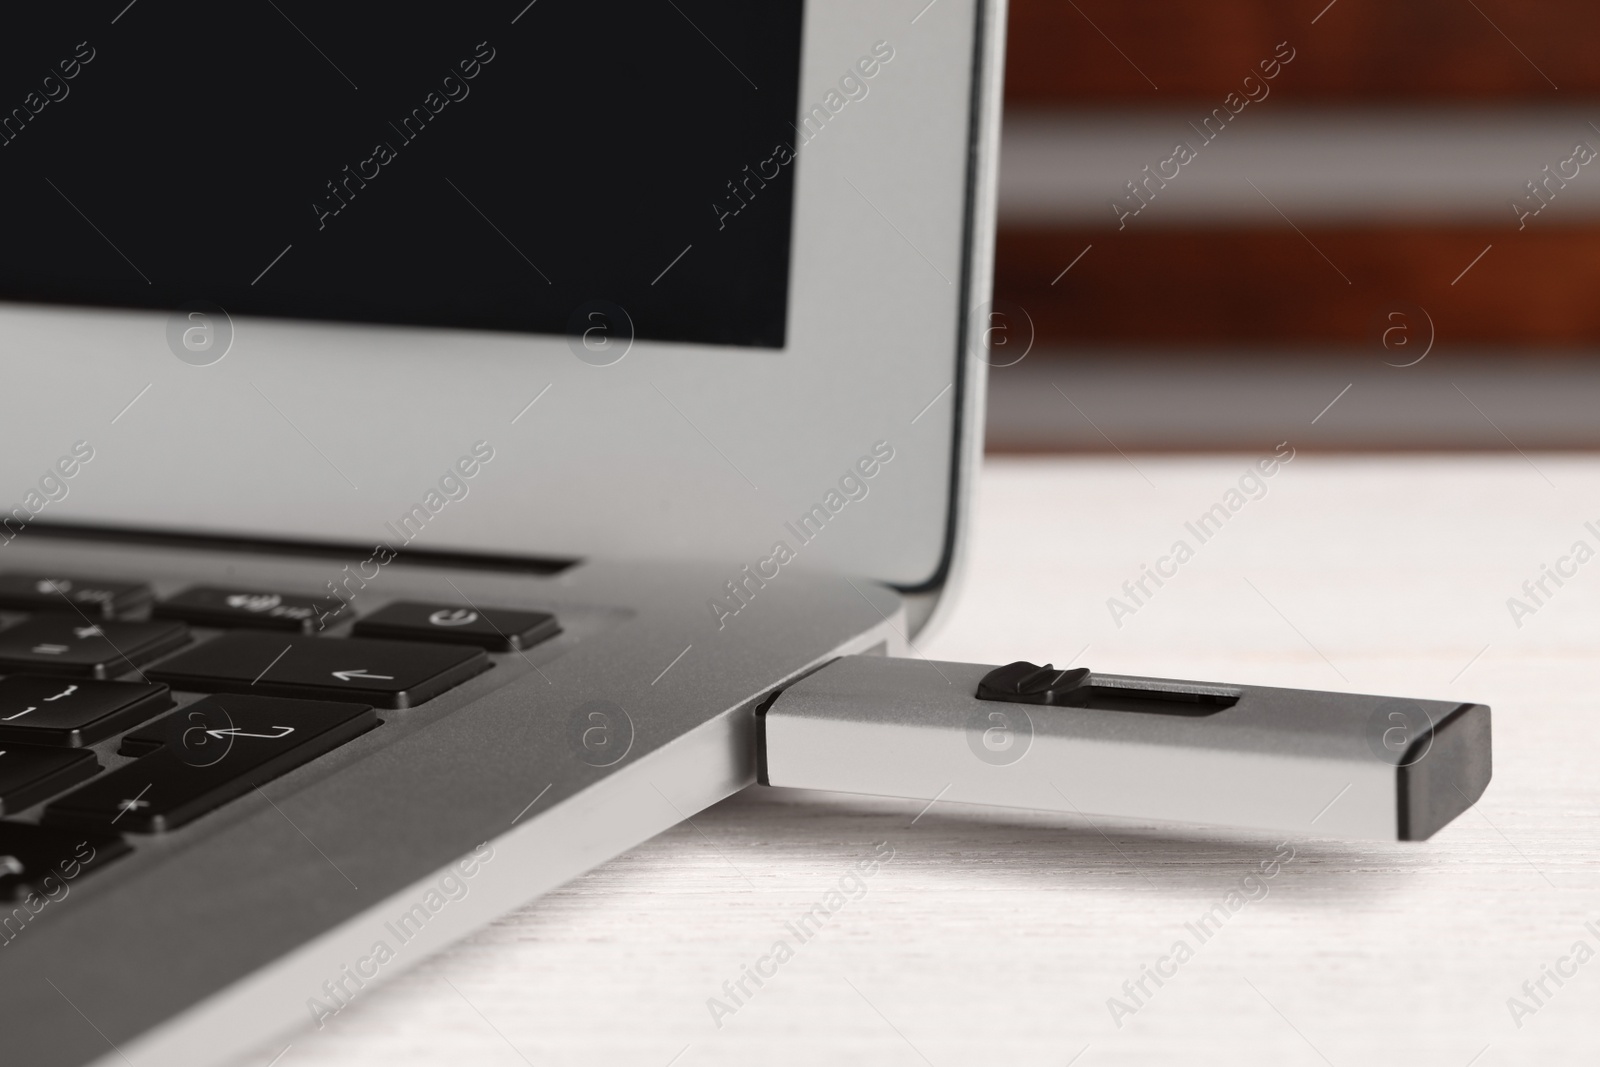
x: 429, y: 434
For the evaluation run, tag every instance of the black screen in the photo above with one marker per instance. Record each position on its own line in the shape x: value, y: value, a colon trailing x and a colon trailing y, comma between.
x: 485, y: 165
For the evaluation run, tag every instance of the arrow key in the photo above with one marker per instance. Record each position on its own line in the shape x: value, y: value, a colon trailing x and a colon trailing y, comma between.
x: 386, y: 674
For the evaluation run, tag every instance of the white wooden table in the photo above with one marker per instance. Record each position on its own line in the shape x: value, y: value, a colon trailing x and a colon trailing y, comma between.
x: 997, y: 937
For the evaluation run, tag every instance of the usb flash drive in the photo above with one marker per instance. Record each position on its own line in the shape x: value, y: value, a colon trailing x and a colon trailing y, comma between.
x: 1023, y: 736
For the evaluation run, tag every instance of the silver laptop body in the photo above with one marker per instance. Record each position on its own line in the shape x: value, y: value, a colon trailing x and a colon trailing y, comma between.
x: 709, y: 498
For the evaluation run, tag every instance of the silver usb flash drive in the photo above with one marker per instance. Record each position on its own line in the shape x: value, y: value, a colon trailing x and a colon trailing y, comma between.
x: 1021, y: 736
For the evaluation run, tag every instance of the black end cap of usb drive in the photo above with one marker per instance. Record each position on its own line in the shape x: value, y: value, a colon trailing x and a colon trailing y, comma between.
x: 1028, y: 683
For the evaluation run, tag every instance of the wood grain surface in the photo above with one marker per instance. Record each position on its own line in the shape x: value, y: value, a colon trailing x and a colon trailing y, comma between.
x: 996, y: 937
x: 1111, y: 51
x: 1209, y: 285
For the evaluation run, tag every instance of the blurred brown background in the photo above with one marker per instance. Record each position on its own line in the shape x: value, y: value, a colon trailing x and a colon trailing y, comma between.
x: 1369, y: 184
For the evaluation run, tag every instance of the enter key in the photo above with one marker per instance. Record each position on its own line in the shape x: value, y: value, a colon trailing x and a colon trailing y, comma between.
x: 202, y: 756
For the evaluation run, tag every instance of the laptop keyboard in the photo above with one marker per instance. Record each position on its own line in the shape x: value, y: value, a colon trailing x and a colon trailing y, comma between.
x: 278, y: 698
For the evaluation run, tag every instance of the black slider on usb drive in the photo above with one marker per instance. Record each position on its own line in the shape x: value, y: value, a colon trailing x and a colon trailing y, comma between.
x: 1025, y: 736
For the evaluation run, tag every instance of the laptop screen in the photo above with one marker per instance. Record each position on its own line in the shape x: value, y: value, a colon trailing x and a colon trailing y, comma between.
x: 502, y: 166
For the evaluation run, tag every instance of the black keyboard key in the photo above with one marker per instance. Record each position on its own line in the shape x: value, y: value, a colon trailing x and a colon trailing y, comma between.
x: 58, y: 712
x: 42, y: 860
x: 206, y: 731
x: 213, y: 605
x: 387, y: 674
x: 29, y: 775
x: 67, y: 644
x: 92, y: 596
x: 496, y: 629
x: 202, y: 756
